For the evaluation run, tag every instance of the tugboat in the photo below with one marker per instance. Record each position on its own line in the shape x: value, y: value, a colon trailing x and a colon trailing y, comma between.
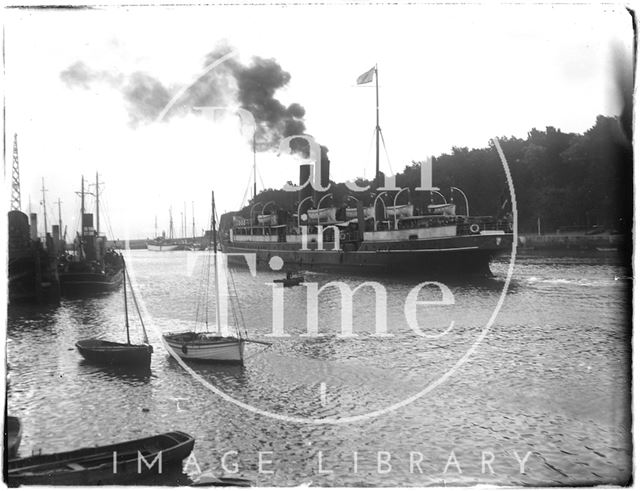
x: 91, y: 268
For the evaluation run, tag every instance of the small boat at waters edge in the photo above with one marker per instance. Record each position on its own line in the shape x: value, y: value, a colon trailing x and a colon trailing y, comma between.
x: 111, y: 464
x: 14, y: 435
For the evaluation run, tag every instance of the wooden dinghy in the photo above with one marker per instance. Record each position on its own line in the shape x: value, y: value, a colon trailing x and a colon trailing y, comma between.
x: 120, y: 463
x: 114, y: 354
x: 14, y: 435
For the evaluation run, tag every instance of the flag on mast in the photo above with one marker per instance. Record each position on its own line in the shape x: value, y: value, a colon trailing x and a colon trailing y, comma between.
x: 366, y: 77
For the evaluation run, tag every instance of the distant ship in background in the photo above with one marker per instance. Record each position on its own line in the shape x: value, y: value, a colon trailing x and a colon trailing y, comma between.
x: 163, y: 243
x: 361, y: 233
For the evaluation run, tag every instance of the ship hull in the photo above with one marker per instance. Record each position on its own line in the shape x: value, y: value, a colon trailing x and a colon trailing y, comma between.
x: 191, y: 346
x: 452, y: 255
x: 81, y: 284
x: 162, y: 247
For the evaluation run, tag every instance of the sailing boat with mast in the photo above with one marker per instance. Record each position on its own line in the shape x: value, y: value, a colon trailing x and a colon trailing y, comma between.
x: 161, y: 242
x: 210, y: 346
x: 117, y: 354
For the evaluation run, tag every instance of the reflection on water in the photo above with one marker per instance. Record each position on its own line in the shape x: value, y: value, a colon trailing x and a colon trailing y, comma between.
x: 551, y: 377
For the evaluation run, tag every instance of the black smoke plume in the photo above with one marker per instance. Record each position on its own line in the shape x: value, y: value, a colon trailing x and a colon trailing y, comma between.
x: 252, y: 87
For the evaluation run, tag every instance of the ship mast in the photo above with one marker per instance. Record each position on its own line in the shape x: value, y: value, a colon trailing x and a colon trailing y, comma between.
x: 377, y: 178
x: 254, y: 167
x: 44, y: 207
x: 60, y: 215
x: 170, y: 224
x: 81, y: 249
x: 193, y: 221
x: 126, y: 311
x: 215, y: 260
x: 97, y: 207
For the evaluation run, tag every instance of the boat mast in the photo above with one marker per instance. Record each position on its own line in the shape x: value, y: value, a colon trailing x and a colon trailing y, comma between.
x: 97, y: 207
x: 60, y: 217
x: 377, y: 179
x: 170, y: 224
x: 156, y: 227
x: 44, y: 207
x: 81, y: 205
x: 254, y: 167
x: 193, y: 221
x: 215, y: 260
x: 81, y: 217
x: 126, y: 312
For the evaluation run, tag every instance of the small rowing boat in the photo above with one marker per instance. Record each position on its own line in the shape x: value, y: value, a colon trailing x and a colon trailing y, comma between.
x: 120, y: 463
x: 105, y: 352
x: 14, y: 435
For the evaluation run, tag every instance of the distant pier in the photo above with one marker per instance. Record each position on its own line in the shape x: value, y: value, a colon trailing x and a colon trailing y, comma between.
x: 573, y: 241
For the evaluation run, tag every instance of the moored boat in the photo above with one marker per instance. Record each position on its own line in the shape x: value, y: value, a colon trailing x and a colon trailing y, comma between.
x: 119, y: 354
x: 161, y: 244
x: 91, y: 268
x: 14, y: 435
x: 202, y: 346
x: 290, y: 280
x: 119, y: 463
x: 206, y: 345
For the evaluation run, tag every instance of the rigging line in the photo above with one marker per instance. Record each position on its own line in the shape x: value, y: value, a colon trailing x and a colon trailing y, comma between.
x: 384, y: 145
x: 206, y: 298
x: 106, y: 214
x: 373, y: 137
x: 261, y: 181
x: 200, y: 298
x: 235, y: 294
x: 135, y: 302
x: 246, y: 190
x: 235, y: 291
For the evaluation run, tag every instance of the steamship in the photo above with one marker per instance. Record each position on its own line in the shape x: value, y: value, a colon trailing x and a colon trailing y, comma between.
x: 372, y: 232
x: 90, y: 267
x: 32, y: 272
x: 418, y: 237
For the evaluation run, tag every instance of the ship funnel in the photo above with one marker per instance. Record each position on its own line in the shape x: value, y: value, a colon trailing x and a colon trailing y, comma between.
x: 34, y: 226
x: 87, y: 224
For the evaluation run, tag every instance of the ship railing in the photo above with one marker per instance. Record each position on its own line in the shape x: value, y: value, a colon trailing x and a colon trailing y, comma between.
x: 480, y: 226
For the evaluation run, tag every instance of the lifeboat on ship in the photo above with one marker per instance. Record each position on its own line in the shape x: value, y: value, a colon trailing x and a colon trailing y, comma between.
x: 399, y: 211
x: 322, y: 214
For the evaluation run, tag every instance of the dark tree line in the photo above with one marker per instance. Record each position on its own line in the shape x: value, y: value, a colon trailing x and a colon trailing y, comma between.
x: 563, y: 179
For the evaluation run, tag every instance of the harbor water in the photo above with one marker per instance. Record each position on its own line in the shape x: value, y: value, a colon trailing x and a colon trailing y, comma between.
x: 542, y: 398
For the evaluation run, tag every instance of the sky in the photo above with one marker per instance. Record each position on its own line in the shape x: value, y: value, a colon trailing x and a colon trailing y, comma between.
x: 449, y: 75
